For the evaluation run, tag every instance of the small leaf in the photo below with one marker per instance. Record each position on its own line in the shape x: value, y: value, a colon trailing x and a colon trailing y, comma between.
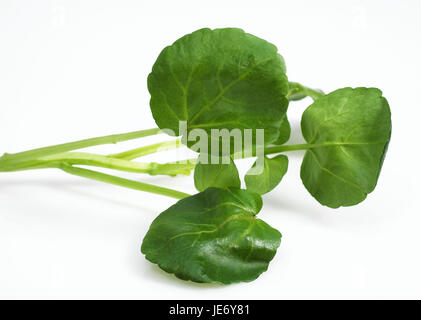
x: 349, y: 131
x: 212, y: 236
x: 216, y: 175
x: 219, y: 79
x: 273, y: 171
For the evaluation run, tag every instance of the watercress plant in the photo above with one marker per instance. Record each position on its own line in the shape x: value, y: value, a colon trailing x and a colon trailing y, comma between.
x: 226, y: 79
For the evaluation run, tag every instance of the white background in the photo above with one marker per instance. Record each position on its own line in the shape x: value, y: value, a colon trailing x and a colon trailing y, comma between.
x: 77, y: 69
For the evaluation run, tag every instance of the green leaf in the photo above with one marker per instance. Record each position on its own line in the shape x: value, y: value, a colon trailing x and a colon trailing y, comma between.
x: 222, y: 78
x: 348, y: 131
x: 274, y: 170
x: 212, y: 236
x: 216, y: 175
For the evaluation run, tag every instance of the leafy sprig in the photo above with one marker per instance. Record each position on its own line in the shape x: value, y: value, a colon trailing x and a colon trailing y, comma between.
x: 228, y: 79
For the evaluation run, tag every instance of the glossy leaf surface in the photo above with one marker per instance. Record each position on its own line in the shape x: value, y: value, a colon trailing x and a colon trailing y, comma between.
x: 212, y: 236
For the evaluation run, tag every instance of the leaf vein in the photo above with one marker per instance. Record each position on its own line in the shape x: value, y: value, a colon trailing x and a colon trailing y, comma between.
x: 326, y: 121
x: 335, y: 175
x: 229, y: 86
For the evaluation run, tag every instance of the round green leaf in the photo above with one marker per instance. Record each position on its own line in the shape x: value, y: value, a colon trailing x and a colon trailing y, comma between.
x: 222, y: 78
x: 218, y: 175
x: 212, y: 236
x: 349, y: 131
x: 274, y: 170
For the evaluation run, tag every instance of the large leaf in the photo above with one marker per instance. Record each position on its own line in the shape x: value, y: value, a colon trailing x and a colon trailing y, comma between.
x: 222, y: 78
x: 273, y: 171
x: 349, y: 131
x: 213, y: 236
x: 217, y: 175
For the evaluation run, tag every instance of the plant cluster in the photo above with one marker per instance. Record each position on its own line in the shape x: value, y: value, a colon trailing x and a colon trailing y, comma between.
x: 229, y: 79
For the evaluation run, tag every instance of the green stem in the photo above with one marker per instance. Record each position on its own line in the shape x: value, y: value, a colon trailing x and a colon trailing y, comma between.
x: 190, y: 163
x: 11, y: 166
x: 298, y: 91
x: 284, y: 148
x: 143, y: 151
x: 79, y: 158
x: 89, y: 159
x: 136, y: 185
x: 65, y: 147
